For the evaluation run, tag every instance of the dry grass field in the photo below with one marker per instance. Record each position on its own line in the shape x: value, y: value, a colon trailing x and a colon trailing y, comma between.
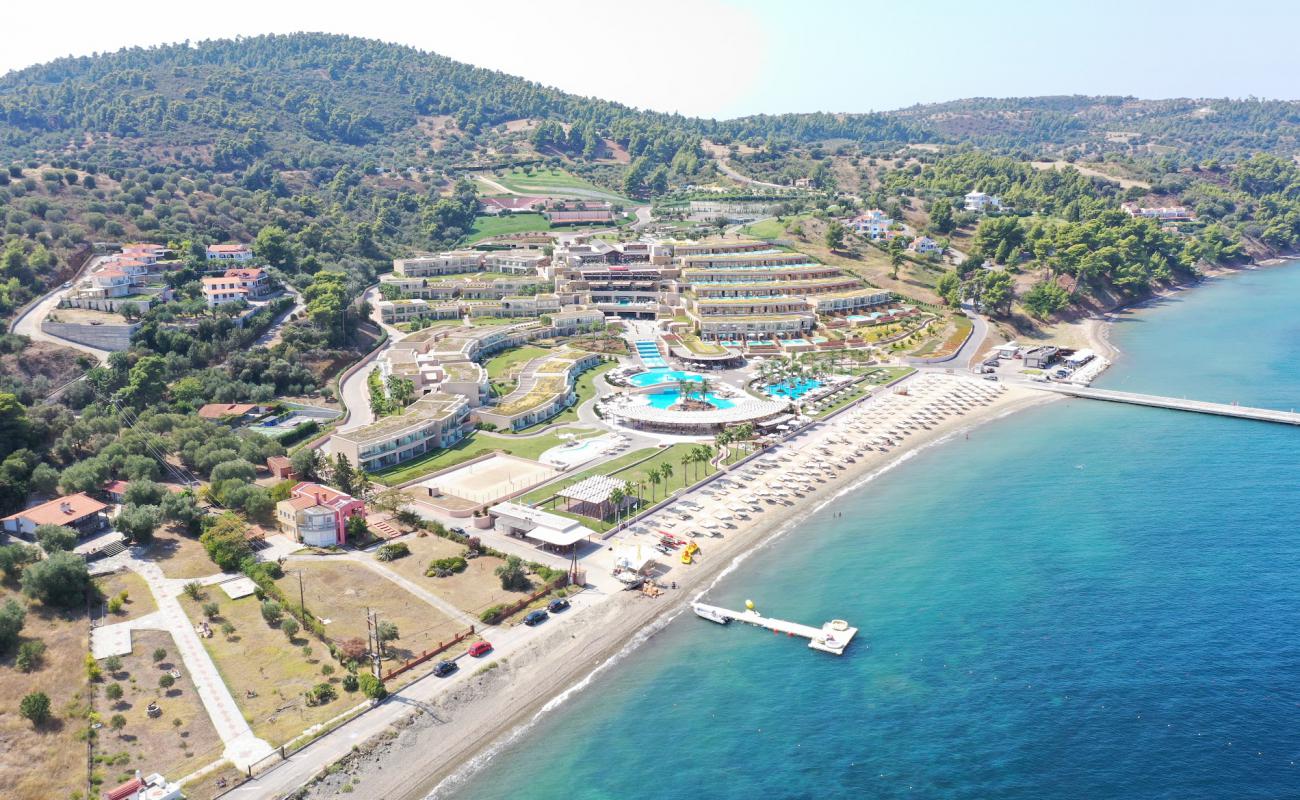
x: 472, y: 591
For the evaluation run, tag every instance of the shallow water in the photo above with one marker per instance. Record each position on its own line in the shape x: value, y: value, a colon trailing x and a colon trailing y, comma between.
x: 1081, y: 600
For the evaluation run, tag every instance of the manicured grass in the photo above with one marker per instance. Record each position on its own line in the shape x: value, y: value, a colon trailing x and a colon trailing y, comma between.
x: 772, y: 228
x: 555, y: 181
x: 684, y: 475
x: 500, y: 365
x: 489, y: 225
x: 585, y: 389
x: 472, y: 446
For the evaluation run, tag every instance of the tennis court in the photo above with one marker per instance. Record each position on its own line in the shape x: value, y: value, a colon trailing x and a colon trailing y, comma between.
x: 492, y: 478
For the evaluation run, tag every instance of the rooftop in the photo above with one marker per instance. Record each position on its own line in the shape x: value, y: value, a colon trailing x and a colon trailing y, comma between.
x: 61, y: 510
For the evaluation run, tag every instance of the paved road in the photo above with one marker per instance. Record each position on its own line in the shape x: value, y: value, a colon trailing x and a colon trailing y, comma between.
x: 355, y: 390
x: 29, y: 324
x: 272, y: 335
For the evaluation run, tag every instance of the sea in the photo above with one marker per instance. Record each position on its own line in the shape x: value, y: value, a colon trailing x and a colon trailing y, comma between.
x: 1081, y: 600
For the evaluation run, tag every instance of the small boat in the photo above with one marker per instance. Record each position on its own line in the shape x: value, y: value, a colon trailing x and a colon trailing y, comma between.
x: 686, y: 557
x: 710, y: 613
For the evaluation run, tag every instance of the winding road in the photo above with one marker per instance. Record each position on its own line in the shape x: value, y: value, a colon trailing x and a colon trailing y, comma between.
x: 29, y: 322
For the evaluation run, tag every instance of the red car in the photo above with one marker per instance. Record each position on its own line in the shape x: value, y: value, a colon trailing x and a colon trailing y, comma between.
x: 480, y: 649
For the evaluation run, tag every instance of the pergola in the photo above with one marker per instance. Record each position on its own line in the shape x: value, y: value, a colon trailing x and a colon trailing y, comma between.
x: 593, y: 493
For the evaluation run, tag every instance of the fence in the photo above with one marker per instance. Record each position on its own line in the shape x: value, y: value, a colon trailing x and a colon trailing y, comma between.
x: 506, y: 611
x: 427, y: 654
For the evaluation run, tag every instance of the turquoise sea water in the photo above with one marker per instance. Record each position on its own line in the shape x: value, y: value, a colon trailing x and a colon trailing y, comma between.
x: 1081, y: 600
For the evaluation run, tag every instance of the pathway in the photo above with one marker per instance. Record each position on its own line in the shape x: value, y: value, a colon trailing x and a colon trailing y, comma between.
x: 242, y: 747
x: 367, y: 560
x: 29, y: 322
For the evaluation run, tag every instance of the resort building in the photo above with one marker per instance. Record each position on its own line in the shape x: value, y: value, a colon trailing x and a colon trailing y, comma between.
x: 433, y: 422
x: 515, y: 519
x: 849, y: 302
x: 450, y: 263
x: 317, y: 515
x: 978, y: 201
x: 739, y: 210
x: 395, y: 312
x: 229, y: 252
x: 79, y: 511
x: 545, y: 388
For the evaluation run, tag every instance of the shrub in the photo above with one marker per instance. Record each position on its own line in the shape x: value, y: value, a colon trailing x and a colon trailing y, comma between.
x: 35, y: 707
x: 166, y: 681
x: 93, y: 671
x: 442, y: 567
x: 490, y: 613
x: 12, y: 617
x: 353, y: 649
x: 159, y: 654
x: 115, y: 605
x: 194, y: 590
x: 371, y: 686
x: 350, y: 682
x: 290, y: 627
x: 512, y: 575
x: 60, y: 580
x: 211, y: 610
x: 113, y: 664
x: 30, y: 655
x: 227, y: 629
x: 392, y: 551
x: 56, y: 537
x: 321, y: 693
x: 113, y: 692
x: 272, y: 612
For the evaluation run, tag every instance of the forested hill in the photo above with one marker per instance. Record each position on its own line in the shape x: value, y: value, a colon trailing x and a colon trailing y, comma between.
x: 312, y: 97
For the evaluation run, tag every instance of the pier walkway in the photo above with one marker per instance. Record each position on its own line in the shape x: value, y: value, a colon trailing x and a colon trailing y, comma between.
x: 1174, y: 403
x: 833, y: 637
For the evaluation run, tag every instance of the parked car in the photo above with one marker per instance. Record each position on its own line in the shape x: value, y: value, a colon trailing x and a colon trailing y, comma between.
x: 479, y: 649
x: 535, y: 618
x: 990, y: 377
x: 67, y: 285
x: 459, y: 532
x: 558, y: 604
x: 445, y: 668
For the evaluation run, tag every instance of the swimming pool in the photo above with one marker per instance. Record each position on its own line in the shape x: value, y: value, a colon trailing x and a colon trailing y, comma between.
x: 793, y: 389
x: 649, y: 352
x: 655, y: 377
x: 796, y: 342
x: 668, y: 398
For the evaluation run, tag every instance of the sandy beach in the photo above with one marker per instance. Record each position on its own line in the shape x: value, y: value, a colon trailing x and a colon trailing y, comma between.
x: 440, y: 743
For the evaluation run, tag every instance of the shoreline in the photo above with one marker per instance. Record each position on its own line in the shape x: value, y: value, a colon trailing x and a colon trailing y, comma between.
x: 462, y: 731
x: 1096, y: 329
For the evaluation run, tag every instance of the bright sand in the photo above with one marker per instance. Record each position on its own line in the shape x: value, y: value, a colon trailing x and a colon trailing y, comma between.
x: 461, y: 729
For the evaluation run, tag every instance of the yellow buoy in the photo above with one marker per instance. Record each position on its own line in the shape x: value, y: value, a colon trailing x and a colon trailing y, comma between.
x: 749, y: 605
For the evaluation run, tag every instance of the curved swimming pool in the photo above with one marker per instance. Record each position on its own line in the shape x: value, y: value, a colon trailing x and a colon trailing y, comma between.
x: 655, y: 377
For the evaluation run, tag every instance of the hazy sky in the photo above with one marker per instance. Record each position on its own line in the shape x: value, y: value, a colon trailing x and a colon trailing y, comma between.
x: 724, y: 58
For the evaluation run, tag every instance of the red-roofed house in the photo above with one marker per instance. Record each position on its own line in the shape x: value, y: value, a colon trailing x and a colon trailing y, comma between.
x: 317, y: 515
x: 281, y: 467
x: 150, y: 787
x: 237, y: 284
x: 234, y: 413
x: 79, y: 511
x: 229, y: 252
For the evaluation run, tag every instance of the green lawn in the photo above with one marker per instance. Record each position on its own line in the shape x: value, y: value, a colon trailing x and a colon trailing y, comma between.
x: 555, y: 181
x: 772, y: 228
x: 683, y: 476
x: 586, y: 389
x: 486, y: 226
x: 472, y: 446
x: 500, y: 365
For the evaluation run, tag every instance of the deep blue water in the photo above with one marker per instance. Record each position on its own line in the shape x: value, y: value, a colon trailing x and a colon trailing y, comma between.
x: 1082, y: 600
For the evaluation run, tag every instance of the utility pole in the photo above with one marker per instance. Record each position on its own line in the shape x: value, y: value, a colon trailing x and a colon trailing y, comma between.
x: 372, y: 639
x: 302, y: 603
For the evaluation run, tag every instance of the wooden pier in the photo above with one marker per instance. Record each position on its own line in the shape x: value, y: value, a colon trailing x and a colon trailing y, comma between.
x: 1173, y: 403
x: 832, y: 637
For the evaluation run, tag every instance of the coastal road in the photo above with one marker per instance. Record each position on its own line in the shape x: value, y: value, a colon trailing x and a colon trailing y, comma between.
x: 963, y: 357
x: 300, y: 768
x: 29, y: 323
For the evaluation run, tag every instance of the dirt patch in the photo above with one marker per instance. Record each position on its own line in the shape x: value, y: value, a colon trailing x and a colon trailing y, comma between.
x: 56, y: 746
x: 472, y: 591
x: 42, y: 360
x: 154, y: 744
x: 266, y: 672
x: 341, y: 592
x: 180, y: 556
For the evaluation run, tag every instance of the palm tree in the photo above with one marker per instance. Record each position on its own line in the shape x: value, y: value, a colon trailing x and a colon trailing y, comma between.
x: 687, y: 459
x: 683, y: 389
x: 666, y: 470
x: 616, y: 499
x: 655, y: 479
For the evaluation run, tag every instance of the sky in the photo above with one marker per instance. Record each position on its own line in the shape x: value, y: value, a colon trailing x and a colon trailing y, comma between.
x: 726, y: 58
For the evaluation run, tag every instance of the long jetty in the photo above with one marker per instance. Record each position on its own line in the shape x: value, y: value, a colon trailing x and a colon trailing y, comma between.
x: 1174, y: 403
